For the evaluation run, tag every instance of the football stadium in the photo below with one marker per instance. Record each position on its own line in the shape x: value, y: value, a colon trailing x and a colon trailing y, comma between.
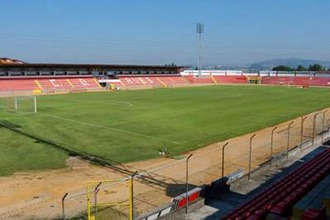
x: 95, y: 141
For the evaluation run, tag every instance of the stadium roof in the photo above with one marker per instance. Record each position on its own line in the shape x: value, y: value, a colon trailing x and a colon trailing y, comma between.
x: 15, y: 63
x: 8, y: 61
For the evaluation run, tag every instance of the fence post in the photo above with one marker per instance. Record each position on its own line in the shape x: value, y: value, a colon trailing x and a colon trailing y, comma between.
x: 323, y: 119
x: 223, y: 160
x: 15, y: 103
x: 187, y: 186
x: 272, y: 144
x: 63, y: 207
x: 324, y: 112
x: 88, y: 202
x: 131, y: 208
x: 250, y: 156
x: 314, y: 127
x: 302, y: 131
x: 288, y: 140
x: 96, y: 190
x: 35, y: 104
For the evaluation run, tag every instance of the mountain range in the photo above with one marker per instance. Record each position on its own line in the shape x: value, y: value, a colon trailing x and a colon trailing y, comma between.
x: 290, y: 62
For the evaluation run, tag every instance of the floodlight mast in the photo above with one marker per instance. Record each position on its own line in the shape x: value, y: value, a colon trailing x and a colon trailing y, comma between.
x: 199, y: 31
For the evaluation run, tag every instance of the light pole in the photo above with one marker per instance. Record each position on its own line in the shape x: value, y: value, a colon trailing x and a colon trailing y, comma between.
x: 314, y: 127
x: 199, y: 31
x: 223, y: 160
x: 288, y: 140
x: 187, y: 187
x: 250, y: 156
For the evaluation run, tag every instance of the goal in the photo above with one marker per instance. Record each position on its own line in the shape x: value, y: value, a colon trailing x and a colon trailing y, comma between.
x: 20, y: 104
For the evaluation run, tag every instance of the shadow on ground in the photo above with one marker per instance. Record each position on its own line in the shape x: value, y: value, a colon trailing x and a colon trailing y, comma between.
x: 174, y: 190
x: 228, y: 201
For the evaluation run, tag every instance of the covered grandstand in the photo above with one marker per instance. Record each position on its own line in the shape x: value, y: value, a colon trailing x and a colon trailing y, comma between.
x: 24, y: 77
x: 11, y: 68
x: 18, y: 76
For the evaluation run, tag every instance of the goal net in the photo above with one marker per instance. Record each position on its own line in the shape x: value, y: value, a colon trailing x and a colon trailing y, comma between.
x: 19, y: 104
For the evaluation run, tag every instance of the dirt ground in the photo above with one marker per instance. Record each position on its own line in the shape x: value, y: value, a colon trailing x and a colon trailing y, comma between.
x: 38, y: 194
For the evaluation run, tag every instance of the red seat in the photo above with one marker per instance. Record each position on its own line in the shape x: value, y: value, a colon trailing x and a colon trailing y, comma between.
x: 280, y: 198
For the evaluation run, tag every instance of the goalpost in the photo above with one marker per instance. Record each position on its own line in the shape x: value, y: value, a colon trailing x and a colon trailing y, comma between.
x: 20, y: 104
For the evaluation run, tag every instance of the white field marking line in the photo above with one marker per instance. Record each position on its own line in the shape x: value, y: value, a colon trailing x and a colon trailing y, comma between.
x: 20, y: 113
x: 122, y: 104
x: 107, y: 102
x: 25, y: 113
x: 156, y: 117
x: 109, y: 128
x: 127, y: 103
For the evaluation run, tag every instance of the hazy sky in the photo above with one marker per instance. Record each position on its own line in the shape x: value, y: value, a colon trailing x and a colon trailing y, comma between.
x: 163, y: 31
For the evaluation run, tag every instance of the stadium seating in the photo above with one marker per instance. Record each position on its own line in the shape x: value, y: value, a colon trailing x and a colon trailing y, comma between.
x: 319, y: 81
x: 17, y: 85
x: 276, y: 80
x: 143, y: 81
x: 279, y: 199
x: 169, y: 81
x: 54, y: 85
x: 84, y: 83
x: 200, y: 80
x: 49, y: 85
x: 230, y: 79
x: 149, y: 81
x: 296, y: 80
x: 173, y: 80
x: 312, y: 206
x: 116, y: 83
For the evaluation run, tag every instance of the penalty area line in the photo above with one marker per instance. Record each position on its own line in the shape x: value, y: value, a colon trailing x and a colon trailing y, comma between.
x: 109, y: 128
x: 118, y: 103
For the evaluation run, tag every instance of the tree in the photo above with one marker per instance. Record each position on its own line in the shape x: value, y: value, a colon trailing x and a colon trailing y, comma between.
x: 315, y: 67
x: 171, y: 64
x: 282, y: 68
x: 301, y: 68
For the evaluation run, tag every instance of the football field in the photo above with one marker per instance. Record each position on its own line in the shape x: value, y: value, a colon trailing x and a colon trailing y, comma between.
x: 123, y: 126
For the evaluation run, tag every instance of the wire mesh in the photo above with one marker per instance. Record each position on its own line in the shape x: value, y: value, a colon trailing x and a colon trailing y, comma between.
x: 155, y: 186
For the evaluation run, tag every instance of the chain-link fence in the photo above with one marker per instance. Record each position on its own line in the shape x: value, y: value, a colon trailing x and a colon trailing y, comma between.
x: 156, y: 186
x: 109, y: 199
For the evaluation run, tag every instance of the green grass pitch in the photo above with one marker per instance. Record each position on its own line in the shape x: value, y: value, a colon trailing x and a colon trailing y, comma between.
x: 124, y: 126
